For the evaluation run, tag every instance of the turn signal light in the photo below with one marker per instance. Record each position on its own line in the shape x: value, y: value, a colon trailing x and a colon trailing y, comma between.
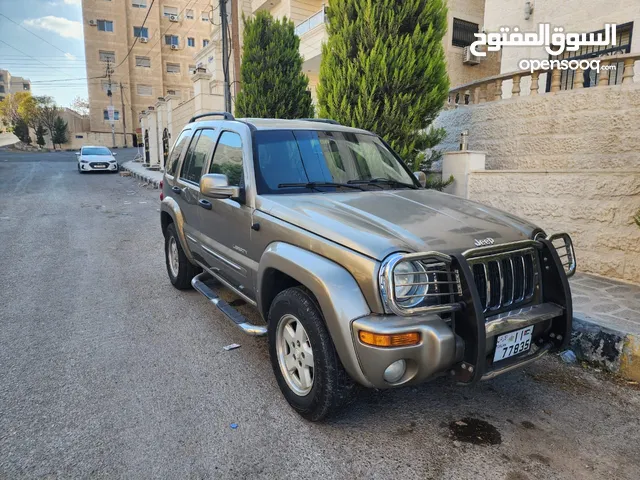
x: 385, y: 340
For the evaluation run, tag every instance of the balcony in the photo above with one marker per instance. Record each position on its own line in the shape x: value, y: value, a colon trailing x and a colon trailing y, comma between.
x: 257, y: 5
x: 312, y: 33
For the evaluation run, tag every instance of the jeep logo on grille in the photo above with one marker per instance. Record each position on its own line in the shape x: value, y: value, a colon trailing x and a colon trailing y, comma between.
x: 484, y: 242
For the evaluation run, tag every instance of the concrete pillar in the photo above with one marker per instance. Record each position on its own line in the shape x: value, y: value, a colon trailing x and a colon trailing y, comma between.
x: 161, y: 112
x: 460, y: 165
x: 201, y: 89
x: 172, y: 104
x: 152, y: 118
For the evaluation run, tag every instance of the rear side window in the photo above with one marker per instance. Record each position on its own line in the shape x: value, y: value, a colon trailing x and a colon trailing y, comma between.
x: 172, y: 161
x: 197, y: 155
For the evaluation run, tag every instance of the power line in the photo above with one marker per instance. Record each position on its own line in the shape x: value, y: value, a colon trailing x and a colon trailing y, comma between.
x: 34, y: 34
x: 136, y: 39
x: 26, y: 54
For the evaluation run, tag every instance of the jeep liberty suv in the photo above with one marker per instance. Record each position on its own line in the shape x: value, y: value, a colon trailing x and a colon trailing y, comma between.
x: 359, y: 273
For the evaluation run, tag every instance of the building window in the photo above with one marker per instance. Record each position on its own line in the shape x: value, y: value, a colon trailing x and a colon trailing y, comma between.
x: 463, y: 33
x: 173, y: 68
x: 173, y: 92
x: 587, y: 52
x: 26, y: 86
x: 145, y: 90
x: 191, y: 42
x: 143, y: 62
x: 205, y: 42
x: 190, y: 14
x: 139, y: 3
x: 141, y: 32
x: 105, y: 25
x: 105, y: 86
x: 170, y: 11
x: 205, y: 16
x: 1, y: 78
x: 171, y: 40
x: 116, y: 115
x: 192, y: 69
x: 107, y: 56
x: 2, y: 89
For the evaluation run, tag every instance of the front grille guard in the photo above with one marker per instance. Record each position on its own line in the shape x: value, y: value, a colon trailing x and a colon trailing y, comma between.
x: 443, y: 283
x: 564, y: 247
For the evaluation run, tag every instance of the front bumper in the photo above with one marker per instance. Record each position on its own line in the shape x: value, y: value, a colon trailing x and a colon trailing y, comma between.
x: 92, y: 167
x: 463, y: 344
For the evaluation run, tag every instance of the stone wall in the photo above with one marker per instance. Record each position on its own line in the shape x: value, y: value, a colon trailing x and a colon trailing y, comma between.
x: 595, y: 207
x: 591, y: 128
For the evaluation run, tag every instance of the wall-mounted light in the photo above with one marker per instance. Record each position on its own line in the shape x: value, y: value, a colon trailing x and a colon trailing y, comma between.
x: 528, y: 10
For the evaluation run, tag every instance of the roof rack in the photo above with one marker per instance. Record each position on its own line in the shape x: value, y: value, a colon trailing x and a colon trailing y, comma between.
x: 321, y: 120
x: 226, y: 115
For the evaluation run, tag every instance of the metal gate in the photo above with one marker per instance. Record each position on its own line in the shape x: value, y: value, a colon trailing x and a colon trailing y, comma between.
x: 165, y: 147
x: 147, y: 156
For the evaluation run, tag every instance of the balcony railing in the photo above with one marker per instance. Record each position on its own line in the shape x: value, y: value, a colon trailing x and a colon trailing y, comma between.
x: 310, y: 23
x: 491, y: 88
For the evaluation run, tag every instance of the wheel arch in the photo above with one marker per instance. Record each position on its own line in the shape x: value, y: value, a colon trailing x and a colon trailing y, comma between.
x: 171, y: 208
x: 337, y: 294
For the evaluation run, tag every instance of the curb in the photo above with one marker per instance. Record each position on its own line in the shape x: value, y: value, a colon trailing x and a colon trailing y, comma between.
x: 618, y: 352
x: 139, y: 176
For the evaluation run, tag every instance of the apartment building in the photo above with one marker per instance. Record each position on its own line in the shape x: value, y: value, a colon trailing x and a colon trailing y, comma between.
x: 146, y: 62
x: 465, y: 17
x: 12, y: 84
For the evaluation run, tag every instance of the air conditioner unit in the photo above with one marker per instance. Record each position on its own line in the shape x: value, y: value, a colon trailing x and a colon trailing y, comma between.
x: 468, y: 58
x: 93, y: 23
x: 173, y: 18
x: 174, y: 47
x: 143, y: 39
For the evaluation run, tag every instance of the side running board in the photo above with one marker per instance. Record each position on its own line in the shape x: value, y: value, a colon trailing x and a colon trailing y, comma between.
x: 231, y: 313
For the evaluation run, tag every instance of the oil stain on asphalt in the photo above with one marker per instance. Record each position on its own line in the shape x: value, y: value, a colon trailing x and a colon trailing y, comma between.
x: 472, y: 430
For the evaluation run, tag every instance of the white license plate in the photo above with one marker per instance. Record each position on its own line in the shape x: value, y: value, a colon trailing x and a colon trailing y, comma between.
x: 513, y: 343
x: 100, y: 166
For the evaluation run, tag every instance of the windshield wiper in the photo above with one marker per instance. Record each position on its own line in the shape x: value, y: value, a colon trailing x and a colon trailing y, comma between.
x: 315, y: 185
x: 377, y: 181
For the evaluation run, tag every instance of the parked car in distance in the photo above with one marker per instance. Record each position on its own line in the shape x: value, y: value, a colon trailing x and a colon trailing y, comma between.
x: 96, y: 159
x: 360, y: 274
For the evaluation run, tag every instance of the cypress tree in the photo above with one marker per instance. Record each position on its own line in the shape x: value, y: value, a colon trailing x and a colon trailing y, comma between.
x: 383, y: 69
x: 273, y: 84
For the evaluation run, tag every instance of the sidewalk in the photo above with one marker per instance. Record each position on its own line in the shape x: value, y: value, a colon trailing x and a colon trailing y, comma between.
x: 606, y: 328
x: 138, y: 171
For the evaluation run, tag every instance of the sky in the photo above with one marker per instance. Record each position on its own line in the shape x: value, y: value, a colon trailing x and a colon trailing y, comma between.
x: 55, y: 62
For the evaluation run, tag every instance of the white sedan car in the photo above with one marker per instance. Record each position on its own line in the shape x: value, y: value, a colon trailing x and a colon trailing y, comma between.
x: 96, y: 158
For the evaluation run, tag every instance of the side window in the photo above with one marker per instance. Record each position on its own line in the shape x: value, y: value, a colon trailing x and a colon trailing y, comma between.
x: 228, y: 158
x: 197, y: 156
x: 172, y: 162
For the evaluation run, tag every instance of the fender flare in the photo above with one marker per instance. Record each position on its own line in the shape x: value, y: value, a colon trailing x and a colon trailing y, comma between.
x: 337, y: 292
x: 170, y: 206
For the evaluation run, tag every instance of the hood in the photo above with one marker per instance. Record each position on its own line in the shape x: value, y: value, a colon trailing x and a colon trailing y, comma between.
x: 378, y: 223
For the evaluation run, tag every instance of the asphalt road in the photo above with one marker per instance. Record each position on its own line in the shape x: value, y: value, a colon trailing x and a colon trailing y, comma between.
x: 107, y: 371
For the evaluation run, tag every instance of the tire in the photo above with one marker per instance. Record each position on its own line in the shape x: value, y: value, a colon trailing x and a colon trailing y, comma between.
x: 331, y: 387
x: 184, y: 269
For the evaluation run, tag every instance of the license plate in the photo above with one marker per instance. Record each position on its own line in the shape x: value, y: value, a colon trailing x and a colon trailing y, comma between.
x: 100, y: 166
x: 513, y: 343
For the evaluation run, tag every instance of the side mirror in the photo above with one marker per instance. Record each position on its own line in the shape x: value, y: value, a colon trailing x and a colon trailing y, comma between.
x: 114, y: 154
x: 77, y: 153
x: 216, y: 185
x: 422, y: 178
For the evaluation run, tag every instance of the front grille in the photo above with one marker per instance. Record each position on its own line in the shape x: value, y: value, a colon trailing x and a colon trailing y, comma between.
x: 505, y: 279
x: 98, y: 164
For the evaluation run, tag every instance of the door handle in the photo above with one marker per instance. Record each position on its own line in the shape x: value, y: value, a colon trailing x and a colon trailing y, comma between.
x: 205, y: 204
x: 177, y: 190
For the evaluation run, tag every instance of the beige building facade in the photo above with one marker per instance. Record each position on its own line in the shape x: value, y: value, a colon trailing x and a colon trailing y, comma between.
x: 146, y: 63
x: 12, y: 84
x: 561, y: 146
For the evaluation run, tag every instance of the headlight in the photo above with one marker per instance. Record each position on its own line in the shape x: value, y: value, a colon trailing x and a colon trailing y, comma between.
x: 409, y: 284
x: 112, y: 161
x: 84, y: 161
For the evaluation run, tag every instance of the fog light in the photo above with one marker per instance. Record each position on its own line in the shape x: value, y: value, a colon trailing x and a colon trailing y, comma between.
x: 395, y: 371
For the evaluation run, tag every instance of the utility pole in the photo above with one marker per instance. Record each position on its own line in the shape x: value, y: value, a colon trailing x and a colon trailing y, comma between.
x: 235, y: 47
x: 111, y: 111
x: 224, y: 27
x: 124, y: 117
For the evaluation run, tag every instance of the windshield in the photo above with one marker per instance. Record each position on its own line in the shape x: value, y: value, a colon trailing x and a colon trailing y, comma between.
x: 298, y: 158
x: 95, y: 151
